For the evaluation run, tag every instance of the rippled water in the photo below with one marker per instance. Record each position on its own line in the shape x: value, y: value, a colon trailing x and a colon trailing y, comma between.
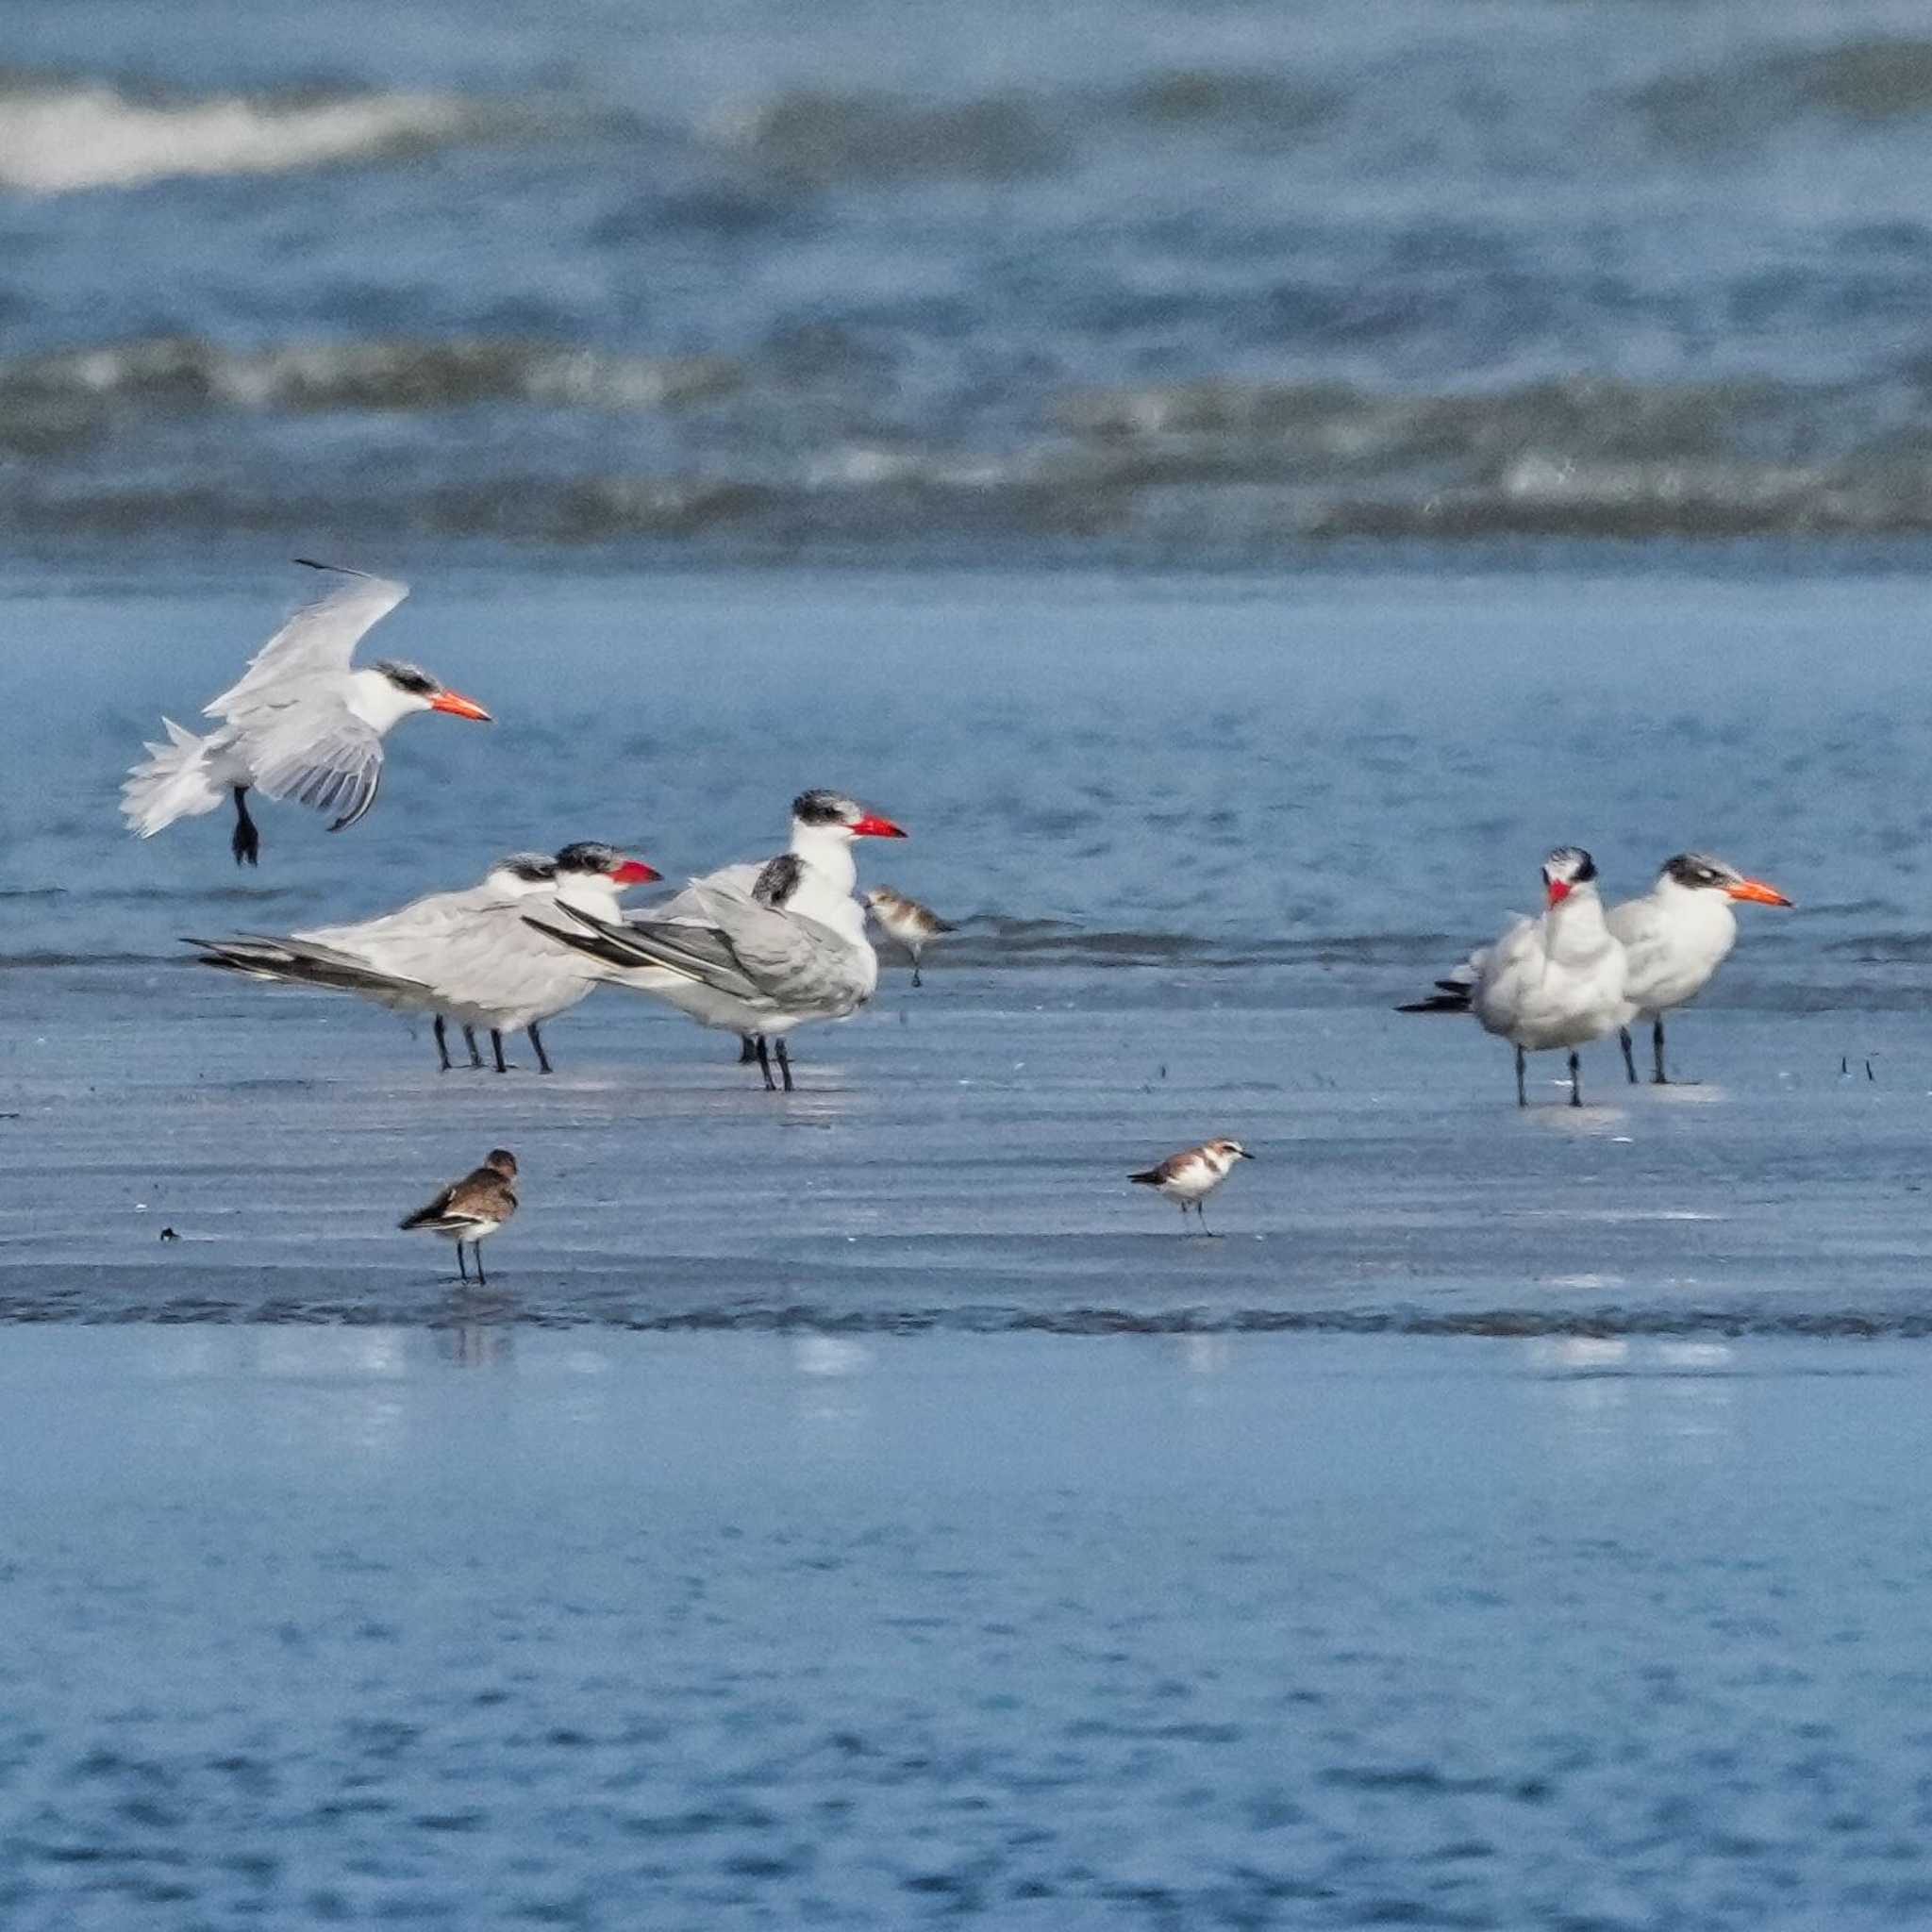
x: 310, y: 1628
x: 1168, y: 280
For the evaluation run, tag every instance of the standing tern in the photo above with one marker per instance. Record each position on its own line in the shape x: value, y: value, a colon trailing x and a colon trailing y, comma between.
x: 1553, y: 982
x: 915, y: 927
x: 754, y: 950
x: 472, y: 1208
x: 301, y: 723
x: 463, y: 955
x: 342, y: 957
x: 1193, y: 1174
x: 1676, y: 936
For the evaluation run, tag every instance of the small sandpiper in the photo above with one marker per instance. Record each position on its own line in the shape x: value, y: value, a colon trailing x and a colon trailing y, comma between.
x: 906, y: 920
x: 1193, y: 1174
x: 470, y: 1209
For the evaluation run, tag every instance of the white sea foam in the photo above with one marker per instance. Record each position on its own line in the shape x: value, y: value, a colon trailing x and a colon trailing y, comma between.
x: 60, y: 140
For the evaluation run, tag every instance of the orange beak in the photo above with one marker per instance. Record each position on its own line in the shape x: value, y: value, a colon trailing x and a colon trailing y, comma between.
x: 457, y: 705
x: 1757, y: 891
x: 633, y: 872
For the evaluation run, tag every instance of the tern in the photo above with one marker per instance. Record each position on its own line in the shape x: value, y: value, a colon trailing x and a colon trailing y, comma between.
x: 755, y: 950
x: 1676, y: 936
x: 1193, y: 1174
x: 472, y: 1208
x: 915, y: 927
x: 1553, y: 982
x: 464, y: 956
x: 302, y: 723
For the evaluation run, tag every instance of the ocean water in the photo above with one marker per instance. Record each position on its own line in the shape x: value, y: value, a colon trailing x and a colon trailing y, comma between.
x: 1238, y: 485
x: 312, y: 1628
x: 1176, y: 279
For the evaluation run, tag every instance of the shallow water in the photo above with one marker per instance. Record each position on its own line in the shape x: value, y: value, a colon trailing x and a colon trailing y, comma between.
x: 310, y: 1627
x: 1204, y: 836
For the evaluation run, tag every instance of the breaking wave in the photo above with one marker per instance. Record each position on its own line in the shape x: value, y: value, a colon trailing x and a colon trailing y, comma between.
x: 179, y: 372
x: 535, y: 438
x: 59, y: 137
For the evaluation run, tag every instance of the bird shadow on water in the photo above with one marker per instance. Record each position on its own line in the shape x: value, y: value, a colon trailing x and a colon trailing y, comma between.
x: 474, y: 1325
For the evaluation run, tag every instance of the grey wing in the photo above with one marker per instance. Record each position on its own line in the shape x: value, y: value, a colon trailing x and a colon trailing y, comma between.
x: 792, y: 960
x: 318, y: 754
x: 703, y: 953
x: 689, y: 904
x: 318, y: 640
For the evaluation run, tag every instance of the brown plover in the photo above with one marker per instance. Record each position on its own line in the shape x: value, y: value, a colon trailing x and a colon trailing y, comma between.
x: 472, y: 1208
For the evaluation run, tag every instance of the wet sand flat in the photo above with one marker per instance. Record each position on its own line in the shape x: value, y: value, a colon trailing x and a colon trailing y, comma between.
x: 956, y: 1156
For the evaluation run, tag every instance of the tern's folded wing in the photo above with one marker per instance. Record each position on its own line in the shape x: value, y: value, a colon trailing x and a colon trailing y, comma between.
x: 688, y: 905
x: 319, y: 638
x: 694, y: 951
x: 791, y: 958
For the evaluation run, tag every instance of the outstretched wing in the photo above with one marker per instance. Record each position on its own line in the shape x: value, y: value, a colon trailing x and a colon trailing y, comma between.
x: 317, y: 752
x: 318, y: 640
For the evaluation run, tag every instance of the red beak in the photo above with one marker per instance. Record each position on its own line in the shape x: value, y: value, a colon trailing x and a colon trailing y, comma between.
x: 1559, y: 891
x: 633, y: 872
x: 457, y: 705
x: 875, y: 828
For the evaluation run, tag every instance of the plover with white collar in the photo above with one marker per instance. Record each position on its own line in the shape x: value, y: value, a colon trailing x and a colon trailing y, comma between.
x: 1193, y: 1174
x: 915, y: 927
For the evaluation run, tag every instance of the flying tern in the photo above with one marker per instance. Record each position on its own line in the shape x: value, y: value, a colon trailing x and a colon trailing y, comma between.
x: 302, y: 723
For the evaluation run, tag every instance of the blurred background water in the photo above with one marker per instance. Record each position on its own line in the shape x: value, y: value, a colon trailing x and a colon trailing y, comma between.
x: 1175, y: 279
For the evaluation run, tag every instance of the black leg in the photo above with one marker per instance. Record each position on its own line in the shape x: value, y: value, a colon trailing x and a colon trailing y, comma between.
x: 915, y: 970
x: 1522, y: 1097
x: 496, y: 1047
x: 246, y: 842
x: 470, y: 1040
x: 482, y: 1279
x: 461, y: 1268
x: 764, y: 1060
x: 1629, y: 1063
x: 1656, y: 1046
x: 442, y: 1043
x: 1575, y: 1079
x: 784, y: 1062
x: 543, y: 1059
x: 747, y: 1050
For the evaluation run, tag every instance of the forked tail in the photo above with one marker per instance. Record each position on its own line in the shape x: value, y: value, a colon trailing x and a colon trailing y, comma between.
x: 174, y: 783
